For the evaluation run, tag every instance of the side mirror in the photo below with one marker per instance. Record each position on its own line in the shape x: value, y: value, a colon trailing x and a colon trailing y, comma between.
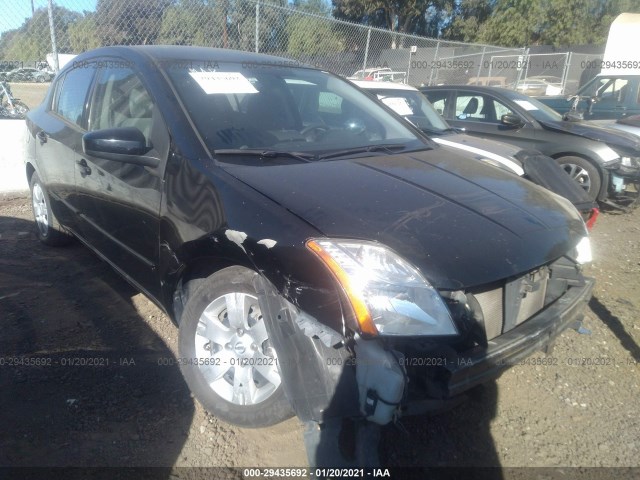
x: 126, y: 145
x: 573, y: 116
x: 511, y: 119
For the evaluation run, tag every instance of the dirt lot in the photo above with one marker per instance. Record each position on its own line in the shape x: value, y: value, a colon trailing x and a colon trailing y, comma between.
x: 30, y: 93
x: 104, y: 397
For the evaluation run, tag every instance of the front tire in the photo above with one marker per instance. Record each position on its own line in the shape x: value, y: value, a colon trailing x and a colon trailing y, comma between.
x: 226, y: 356
x: 583, y: 172
x: 48, y: 229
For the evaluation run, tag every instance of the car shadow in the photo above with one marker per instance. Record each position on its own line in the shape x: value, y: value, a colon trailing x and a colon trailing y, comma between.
x: 446, y: 441
x: 450, y: 444
x: 85, y: 380
x: 616, y: 326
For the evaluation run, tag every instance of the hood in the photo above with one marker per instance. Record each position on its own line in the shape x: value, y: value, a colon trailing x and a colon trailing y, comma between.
x: 625, y: 142
x: 460, y: 222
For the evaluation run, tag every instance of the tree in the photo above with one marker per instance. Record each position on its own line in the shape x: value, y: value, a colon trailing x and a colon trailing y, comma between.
x: 466, y: 18
x: 32, y: 40
x: 514, y: 23
x: 311, y: 35
x: 401, y: 16
x: 191, y: 22
x: 130, y: 22
x: 83, y: 34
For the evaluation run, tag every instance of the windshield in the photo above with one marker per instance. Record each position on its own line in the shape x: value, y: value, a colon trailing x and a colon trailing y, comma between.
x: 413, y: 106
x: 280, y: 109
x: 536, y: 109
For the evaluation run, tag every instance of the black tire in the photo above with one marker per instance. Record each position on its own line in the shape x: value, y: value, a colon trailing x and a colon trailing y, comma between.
x: 215, y: 385
x: 585, y: 173
x: 48, y: 229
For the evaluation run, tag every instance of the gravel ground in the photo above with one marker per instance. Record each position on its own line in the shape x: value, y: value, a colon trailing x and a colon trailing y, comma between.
x: 108, y: 397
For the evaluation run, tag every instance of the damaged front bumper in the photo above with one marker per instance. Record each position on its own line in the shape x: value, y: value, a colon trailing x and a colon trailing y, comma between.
x: 483, y: 364
x: 324, y: 378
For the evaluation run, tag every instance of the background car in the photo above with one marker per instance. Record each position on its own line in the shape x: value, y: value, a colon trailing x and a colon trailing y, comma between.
x: 592, y: 155
x: 414, y: 107
x: 539, y: 85
x: 28, y: 75
x: 309, y: 243
x: 607, y: 96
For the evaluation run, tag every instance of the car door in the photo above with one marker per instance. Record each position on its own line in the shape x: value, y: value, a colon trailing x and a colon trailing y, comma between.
x: 480, y: 114
x: 120, y: 201
x: 58, y: 135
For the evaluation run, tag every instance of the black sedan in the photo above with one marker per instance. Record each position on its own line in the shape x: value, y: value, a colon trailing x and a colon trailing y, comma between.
x: 320, y: 256
x: 602, y: 160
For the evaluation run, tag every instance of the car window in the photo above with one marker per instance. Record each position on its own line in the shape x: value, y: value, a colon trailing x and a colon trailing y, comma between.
x: 121, y: 100
x: 73, y: 94
x: 609, y: 90
x: 414, y: 106
x: 292, y: 109
x: 439, y: 101
x: 500, y: 109
x: 472, y: 107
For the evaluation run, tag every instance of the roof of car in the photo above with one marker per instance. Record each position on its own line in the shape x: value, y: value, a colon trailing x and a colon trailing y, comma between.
x: 371, y: 84
x: 173, y: 52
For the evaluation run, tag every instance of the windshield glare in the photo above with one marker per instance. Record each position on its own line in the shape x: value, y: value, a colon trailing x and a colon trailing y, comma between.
x: 284, y: 109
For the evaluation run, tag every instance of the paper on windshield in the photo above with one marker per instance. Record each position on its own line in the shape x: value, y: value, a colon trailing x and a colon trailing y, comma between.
x: 223, y: 82
x: 526, y: 104
x: 398, y: 104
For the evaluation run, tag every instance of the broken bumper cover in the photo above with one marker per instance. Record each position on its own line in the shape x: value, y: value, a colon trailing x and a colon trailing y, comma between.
x: 484, y: 364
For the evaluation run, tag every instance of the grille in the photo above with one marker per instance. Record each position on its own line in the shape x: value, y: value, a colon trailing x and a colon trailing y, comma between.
x: 492, y: 310
x: 506, y: 307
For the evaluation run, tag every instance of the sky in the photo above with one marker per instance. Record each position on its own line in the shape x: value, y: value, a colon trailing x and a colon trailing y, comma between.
x: 14, y: 12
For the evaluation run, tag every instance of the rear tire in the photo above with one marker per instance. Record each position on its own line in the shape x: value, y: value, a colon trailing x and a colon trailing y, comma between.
x: 584, y: 173
x: 227, y: 358
x: 48, y: 229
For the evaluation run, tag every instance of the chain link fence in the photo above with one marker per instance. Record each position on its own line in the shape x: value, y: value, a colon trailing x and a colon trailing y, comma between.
x: 32, y: 33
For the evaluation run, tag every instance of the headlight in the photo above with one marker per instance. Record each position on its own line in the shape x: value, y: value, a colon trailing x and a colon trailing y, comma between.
x: 387, y: 294
x: 583, y: 250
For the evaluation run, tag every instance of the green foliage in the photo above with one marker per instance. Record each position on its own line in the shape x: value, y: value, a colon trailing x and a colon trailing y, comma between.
x: 190, y: 22
x: 83, y: 35
x: 310, y: 36
x: 130, y: 22
x: 32, y: 41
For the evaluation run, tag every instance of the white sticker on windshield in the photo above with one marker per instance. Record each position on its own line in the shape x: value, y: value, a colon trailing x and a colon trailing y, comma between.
x: 526, y: 104
x: 398, y: 104
x: 223, y: 82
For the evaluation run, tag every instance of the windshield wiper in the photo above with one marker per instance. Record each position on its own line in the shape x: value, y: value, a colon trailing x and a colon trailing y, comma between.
x: 389, y: 148
x: 266, y: 154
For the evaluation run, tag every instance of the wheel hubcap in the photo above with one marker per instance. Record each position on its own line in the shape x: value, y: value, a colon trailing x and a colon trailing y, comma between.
x: 234, y: 353
x: 40, y: 211
x: 579, y: 174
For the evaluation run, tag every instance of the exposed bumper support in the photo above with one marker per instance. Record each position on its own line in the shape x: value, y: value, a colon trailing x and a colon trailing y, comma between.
x: 483, y: 364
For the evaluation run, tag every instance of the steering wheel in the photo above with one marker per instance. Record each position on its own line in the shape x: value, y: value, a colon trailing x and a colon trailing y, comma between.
x: 310, y: 136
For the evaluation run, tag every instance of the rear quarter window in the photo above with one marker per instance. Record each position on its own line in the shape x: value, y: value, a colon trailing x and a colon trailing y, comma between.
x: 72, y: 94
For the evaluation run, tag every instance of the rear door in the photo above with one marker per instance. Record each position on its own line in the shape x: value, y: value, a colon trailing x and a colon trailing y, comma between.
x: 120, y: 201
x: 58, y: 134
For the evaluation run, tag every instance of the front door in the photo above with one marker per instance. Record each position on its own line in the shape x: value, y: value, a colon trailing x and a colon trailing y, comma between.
x: 120, y: 201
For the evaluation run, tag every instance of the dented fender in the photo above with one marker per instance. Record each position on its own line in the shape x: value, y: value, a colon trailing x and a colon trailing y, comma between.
x: 319, y: 377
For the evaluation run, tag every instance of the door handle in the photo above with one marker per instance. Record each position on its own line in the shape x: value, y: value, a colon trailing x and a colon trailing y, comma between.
x: 84, y: 168
x: 42, y: 136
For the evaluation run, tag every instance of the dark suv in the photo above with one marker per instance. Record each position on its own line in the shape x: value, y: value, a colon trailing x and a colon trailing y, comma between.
x: 320, y: 256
